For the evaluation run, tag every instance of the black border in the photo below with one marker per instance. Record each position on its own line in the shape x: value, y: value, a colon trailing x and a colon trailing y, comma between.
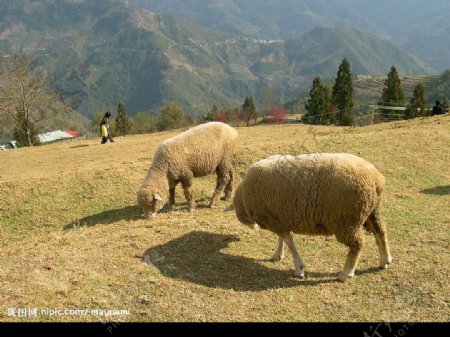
x: 371, y: 329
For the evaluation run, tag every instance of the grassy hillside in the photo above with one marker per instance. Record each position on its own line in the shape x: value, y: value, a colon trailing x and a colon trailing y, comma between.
x: 71, y: 235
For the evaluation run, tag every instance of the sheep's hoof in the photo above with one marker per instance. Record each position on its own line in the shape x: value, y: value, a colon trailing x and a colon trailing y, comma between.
x: 226, y: 198
x: 384, y: 265
x: 343, y: 277
x: 300, y: 274
x: 191, y: 210
x: 275, y: 259
x: 386, y: 262
x: 212, y: 206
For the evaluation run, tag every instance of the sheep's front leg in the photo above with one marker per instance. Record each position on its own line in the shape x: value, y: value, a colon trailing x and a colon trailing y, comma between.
x: 172, y: 186
x: 187, y: 187
x: 298, y: 262
x: 279, y: 252
x: 171, y: 198
x: 350, y: 264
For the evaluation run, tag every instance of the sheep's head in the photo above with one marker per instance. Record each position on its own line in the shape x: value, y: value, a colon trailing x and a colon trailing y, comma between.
x: 150, y: 200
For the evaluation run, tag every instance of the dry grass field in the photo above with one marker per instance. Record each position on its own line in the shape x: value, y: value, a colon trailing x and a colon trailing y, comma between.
x: 72, y: 236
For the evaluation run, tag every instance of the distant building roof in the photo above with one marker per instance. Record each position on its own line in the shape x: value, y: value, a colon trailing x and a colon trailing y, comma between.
x: 399, y: 108
x: 9, y: 146
x: 56, y: 135
x: 73, y: 133
x: 47, y: 137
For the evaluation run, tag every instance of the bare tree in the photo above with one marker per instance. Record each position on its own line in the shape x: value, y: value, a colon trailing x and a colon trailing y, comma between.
x: 26, y: 100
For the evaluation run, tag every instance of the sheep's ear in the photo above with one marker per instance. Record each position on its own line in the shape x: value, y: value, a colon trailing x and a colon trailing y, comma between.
x: 156, y: 196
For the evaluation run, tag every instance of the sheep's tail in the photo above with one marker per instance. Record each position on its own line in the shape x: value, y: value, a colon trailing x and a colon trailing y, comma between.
x: 368, y: 224
x: 380, y: 183
x: 371, y: 225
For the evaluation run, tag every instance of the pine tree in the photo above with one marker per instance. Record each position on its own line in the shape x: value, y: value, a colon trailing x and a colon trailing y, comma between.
x: 392, y: 93
x: 248, y: 110
x: 123, y: 124
x: 319, y: 104
x: 417, y: 104
x: 25, y: 132
x: 342, y: 94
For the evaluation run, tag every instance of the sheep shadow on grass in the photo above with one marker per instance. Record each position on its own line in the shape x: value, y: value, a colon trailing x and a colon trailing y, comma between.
x: 106, y: 217
x: 196, y: 257
x: 79, y: 146
x: 437, y: 190
x: 183, y: 206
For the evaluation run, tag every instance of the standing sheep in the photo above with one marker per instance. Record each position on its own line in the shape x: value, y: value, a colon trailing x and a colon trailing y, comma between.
x: 198, y: 152
x: 316, y: 194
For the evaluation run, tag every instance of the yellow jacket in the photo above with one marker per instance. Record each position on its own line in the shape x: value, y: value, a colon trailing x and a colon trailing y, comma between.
x: 104, y: 131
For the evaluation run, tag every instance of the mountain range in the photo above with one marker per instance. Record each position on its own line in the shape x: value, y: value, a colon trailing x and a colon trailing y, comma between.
x: 104, y: 51
x: 421, y: 27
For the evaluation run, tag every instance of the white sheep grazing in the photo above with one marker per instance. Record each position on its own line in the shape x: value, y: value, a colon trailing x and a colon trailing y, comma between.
x: 316, y: 194
x: 197, y: 152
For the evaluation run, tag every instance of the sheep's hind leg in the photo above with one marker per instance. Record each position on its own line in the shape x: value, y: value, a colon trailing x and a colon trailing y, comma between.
x: 379, y: 231
x: 279, y: 252
x: 355, y: 243
x: 298, y: 262
x: 223, y: 177
x: 187, y: 187
x: 229, y: 187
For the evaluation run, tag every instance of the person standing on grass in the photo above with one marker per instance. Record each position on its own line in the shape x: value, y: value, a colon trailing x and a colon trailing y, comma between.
x: 104, y: 128
x: 437, y: 109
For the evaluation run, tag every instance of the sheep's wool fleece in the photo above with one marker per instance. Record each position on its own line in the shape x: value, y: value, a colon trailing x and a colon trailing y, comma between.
x: 309, y: 194
x: 199, y: 150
